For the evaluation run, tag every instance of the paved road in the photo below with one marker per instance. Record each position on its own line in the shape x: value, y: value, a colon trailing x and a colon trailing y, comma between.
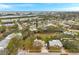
x: 26, y: 53
x: 6, y: 40
x: 4, y: 43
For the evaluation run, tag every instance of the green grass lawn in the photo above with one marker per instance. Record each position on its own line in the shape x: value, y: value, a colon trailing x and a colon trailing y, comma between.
x: 48, y: 36
x: 54, y: 49
x: 13, y: 46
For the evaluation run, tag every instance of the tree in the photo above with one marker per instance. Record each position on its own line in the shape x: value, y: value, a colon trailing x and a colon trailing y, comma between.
x: 71, y: 46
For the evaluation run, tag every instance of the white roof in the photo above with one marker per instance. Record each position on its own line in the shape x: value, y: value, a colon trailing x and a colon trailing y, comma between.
x: 1, y: 48
x: 8, y: 24
x: 70, y: 33
x: 55, y: 43
x: 7, y: 20
x: 33, y: 29
x: 23, y: 19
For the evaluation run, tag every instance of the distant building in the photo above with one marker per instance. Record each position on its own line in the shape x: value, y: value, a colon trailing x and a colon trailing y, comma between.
x: 7, y: 20
x: 69, y: 33
x: 8, y: 24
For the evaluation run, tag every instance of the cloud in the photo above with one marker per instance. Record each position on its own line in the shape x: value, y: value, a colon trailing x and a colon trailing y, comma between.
x: 22, y: 5
x: 4, y: 6
x: 62, y: 9
x: 28, y: 5
x: 70, y: 9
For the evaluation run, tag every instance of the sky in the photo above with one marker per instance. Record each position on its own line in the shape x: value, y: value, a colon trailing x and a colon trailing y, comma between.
x: 39, y: 1
x: 39, y: 6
